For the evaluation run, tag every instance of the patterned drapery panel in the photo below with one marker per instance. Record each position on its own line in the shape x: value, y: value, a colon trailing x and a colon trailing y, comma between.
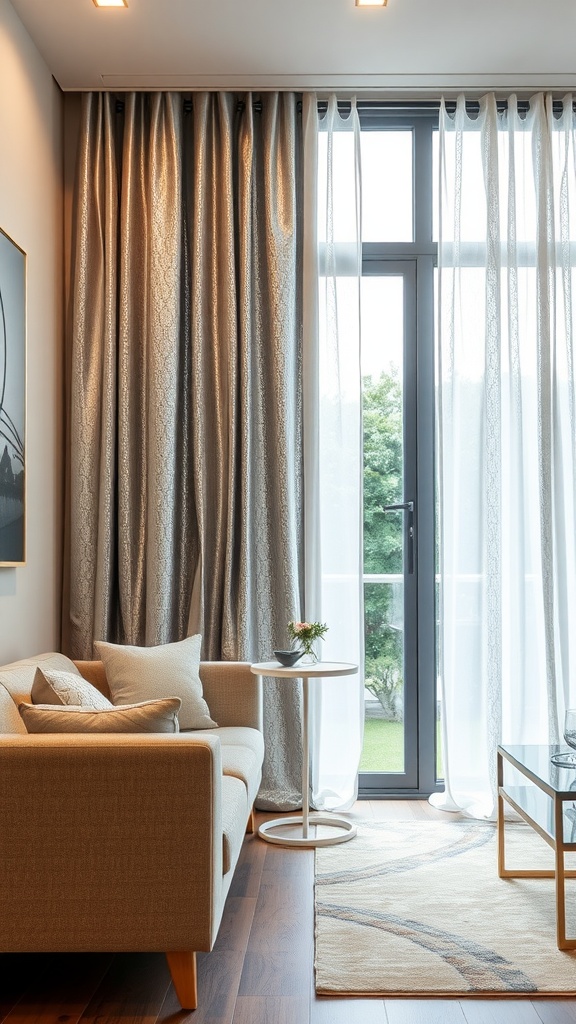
x: 185, y: 454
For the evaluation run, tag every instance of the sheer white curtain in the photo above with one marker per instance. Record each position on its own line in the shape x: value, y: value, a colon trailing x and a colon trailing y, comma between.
x: 333, y: 441
x: 506, y: 436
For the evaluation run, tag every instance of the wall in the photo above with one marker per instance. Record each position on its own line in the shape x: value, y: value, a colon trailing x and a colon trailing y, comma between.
x: 31, y: 213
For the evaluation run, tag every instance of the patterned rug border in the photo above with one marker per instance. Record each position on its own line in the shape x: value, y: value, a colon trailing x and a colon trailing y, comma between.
x: 512, y: 969
x: 567, y: 994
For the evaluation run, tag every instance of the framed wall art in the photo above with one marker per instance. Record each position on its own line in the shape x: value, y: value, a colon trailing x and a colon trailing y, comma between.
x: 12, y: 402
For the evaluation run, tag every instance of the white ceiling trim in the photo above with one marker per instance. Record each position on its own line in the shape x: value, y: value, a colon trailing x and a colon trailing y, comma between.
x: 409, y: 84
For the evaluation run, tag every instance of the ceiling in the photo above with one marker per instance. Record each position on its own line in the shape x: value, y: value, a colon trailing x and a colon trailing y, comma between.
x: 411, y: 47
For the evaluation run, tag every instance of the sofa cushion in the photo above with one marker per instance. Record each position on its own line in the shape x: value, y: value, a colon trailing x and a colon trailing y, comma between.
x: 18, y: 677
x: 135, y: 674
x: 242, y: 763
x: 242, y: 755
x: 150, y: 716
x: 10, y: 720
x: 235, y: 810
x: 51, y: 686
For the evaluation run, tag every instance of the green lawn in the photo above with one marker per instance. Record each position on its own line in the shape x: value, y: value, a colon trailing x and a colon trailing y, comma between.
x: 383, y: 749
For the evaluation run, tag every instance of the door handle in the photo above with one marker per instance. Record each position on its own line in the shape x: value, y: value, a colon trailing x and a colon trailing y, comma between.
x: 406, y: 506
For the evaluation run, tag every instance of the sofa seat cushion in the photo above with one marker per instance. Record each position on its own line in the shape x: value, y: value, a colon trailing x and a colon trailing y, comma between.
x: 235, y: 810
x: 242, y: 755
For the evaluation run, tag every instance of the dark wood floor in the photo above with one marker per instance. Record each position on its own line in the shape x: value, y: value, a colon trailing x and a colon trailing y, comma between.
x: 260, y: 972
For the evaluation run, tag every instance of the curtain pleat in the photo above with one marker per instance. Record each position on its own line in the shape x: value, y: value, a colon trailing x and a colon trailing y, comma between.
x: 185, y: 452
x: 214, y: 352
x: 333, y: 442
x: 93, y: 383
x: 133, y: 367
x: 270, y: 412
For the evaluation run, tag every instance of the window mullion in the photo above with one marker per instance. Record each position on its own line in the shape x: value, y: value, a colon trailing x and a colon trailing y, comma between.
x: 422, y: 185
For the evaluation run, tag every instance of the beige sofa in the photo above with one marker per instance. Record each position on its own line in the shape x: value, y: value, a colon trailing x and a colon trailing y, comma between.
x: 125, y: 841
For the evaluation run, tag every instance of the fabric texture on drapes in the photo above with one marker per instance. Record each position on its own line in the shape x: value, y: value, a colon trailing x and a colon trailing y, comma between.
x: 185, y: 389
x: 333, y: 441
x: 506, y: 436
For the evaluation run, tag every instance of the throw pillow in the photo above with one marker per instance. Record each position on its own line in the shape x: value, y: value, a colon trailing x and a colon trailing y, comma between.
x: 146, y: 673
x: 150, y: 716
x: 52, y: 686
x: 19, y: 676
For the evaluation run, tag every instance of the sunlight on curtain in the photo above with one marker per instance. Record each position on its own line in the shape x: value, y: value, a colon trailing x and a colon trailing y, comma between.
x: 332, y: 440
x: 506, y: 436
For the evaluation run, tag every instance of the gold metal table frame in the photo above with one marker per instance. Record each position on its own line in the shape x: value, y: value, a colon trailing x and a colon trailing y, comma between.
x: 552, y: 832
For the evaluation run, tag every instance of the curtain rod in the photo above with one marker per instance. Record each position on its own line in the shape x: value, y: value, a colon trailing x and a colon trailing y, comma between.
x: 427, y: 107
x: 188, y: 106
x: 423, y: 108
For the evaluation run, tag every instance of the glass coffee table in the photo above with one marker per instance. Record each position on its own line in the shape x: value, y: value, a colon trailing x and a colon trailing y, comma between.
x: 544, y: 795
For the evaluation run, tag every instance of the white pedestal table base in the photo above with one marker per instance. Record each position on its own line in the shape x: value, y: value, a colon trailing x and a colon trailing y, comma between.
x: 331, y: 821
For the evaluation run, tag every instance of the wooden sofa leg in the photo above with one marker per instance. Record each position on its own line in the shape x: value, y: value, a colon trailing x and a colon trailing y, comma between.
x: 251, y: 826
x: 183, y: 970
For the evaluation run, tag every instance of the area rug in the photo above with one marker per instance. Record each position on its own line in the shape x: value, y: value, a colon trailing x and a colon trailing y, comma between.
x: 416, y: 908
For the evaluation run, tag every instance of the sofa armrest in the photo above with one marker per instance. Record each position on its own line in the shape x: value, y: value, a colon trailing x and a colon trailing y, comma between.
x: 232, y: 693
x: 110, y: 842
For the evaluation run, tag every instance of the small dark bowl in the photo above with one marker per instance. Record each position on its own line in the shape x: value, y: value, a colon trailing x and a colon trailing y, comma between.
x: 288, y: 658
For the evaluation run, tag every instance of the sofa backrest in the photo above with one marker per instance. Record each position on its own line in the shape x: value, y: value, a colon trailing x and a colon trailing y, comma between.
x: 95, y: 673
x: 233, y: 694
x: 10, y: 720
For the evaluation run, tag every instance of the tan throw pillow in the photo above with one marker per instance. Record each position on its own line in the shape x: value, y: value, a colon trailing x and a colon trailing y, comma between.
x: 147, y: 673
x: 52, y: 686
x: 150, y: 716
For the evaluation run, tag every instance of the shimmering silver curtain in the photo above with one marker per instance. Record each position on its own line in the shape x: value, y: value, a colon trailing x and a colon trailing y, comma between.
x: 185, y: 409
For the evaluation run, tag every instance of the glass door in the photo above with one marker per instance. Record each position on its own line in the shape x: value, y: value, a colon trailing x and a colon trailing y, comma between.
x: 401, y: 753
x: 390, y: 754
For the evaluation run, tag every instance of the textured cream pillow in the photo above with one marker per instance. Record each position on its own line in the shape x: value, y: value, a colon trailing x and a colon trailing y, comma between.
x: 150, y: 716
x: 51, y: 686
x: 147, y: 673
x: 19, y: 676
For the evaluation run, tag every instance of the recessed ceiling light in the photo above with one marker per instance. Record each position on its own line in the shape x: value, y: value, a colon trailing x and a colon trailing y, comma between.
x: 111, y: 3
x: 371, y: 3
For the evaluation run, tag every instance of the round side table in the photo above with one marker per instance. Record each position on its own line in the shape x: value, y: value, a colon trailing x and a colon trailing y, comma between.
x: 346, y: 830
